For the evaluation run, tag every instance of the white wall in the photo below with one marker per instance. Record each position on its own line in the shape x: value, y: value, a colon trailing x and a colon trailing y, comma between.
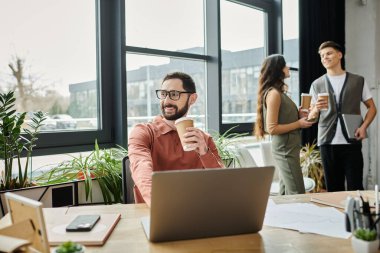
x: 363, y: 57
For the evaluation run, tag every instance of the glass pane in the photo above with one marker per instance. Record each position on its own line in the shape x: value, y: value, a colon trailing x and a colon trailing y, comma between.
x: 291, y: 32
x: 166, y: 24
x: 144, y: 76
x: 48, y: 57
x: 291, y: 45
x: 293, y: 86
x: 243, y: 37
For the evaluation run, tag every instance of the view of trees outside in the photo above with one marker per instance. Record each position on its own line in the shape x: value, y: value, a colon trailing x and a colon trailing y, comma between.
x: 50, y: 69
x: 32, y: 91
x: 43, y: 53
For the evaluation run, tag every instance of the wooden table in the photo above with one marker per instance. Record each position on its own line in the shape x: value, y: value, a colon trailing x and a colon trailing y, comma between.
x: 128, y: 235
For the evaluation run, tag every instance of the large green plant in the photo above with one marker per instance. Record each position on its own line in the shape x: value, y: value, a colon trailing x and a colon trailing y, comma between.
x: 13, y: 142
x: 311, y: 164
x: 104, y: 165
x: 224, y: 142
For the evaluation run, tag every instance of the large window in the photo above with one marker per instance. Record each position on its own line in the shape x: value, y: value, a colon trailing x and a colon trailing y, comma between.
x: 93, y: 65
x: 168, y: 37
x: 243, y: 37
x: 48, y: 57
x: 291, y: 45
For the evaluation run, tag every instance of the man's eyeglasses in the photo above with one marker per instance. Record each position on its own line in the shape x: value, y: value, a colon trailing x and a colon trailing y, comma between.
x: 173, y: 94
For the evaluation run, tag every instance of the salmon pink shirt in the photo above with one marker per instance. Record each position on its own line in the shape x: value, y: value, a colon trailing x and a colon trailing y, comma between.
x: 155, y: 146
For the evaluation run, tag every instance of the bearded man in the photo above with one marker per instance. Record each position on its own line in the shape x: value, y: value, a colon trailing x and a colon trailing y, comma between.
x: 155, y: 146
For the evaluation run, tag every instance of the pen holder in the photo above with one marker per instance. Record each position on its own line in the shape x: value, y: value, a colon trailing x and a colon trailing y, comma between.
x: 364, y: 240
x: 367, y: 221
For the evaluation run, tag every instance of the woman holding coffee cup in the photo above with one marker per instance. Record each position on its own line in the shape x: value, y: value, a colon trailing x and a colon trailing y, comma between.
x: 279, y: 116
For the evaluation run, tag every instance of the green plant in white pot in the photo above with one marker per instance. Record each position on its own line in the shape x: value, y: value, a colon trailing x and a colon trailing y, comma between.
x: 365, y: 241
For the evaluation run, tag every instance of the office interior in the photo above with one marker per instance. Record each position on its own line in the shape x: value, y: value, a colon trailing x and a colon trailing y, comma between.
x: 114, y: 109
x: 118, y: 90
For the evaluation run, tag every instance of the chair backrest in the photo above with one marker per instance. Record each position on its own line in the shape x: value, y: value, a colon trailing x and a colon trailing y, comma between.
x: 128, y: 183
x: 244, y: 157
x: 268, y: 160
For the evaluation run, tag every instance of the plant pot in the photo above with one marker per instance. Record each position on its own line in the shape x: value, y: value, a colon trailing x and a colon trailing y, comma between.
x: 80, y: 251
x: 361, y: 246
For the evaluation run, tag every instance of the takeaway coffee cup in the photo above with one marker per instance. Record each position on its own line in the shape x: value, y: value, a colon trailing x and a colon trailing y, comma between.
x: 181, y: 125
x: 305, y: 101
x: 324, y: 96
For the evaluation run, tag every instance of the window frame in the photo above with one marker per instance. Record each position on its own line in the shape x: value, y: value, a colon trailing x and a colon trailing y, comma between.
x: 112, y: 76
x: 273, y: 44
x: 108, y: 14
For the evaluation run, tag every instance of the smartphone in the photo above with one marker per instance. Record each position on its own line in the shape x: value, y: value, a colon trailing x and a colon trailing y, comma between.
x: 83, y: 223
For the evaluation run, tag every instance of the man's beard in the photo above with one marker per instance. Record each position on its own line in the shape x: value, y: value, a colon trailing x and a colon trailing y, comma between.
x: 178, y: 113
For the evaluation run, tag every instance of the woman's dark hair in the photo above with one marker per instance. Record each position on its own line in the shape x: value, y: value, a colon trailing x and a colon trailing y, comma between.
x: 187, y: 82
x: 271, y: 76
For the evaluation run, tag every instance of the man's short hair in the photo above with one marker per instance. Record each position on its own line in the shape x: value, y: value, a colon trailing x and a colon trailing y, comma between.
x: 187, y: 81
x: 332, y: 44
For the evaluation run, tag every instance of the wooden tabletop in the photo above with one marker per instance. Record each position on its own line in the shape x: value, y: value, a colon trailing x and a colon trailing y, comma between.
x: 128, y: 235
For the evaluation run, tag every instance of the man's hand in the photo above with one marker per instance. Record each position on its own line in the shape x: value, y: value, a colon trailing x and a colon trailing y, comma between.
x: 194, y: 139
x: 322, y: 103
x: 360, y: 133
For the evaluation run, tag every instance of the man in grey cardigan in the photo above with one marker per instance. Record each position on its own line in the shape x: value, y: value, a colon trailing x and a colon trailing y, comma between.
x: 342, y: 158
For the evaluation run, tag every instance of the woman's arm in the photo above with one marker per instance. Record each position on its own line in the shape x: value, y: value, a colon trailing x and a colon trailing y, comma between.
x: 273, y: 102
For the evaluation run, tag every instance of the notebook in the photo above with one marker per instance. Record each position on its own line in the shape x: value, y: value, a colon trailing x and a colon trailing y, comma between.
x: 189, y: 204
x: 97, y: 236
x: 351, y: 123
x: 338, y: 199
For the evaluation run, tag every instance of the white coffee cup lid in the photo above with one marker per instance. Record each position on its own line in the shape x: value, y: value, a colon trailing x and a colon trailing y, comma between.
x: 305, y: 94
x: 182, y: 119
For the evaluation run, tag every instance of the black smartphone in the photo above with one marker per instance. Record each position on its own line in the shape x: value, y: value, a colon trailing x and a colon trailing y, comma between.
x: 83, y: 223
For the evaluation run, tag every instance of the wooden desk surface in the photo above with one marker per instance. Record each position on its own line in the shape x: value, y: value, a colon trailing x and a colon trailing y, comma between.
x: 129, y: 236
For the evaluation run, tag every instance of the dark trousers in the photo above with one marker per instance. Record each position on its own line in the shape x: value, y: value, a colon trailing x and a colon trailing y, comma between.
x: 342, y: 162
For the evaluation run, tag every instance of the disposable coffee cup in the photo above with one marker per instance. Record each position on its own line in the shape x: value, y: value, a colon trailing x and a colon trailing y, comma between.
x: 305, y: 102
x: 181, y: 125
x: 324, y: 96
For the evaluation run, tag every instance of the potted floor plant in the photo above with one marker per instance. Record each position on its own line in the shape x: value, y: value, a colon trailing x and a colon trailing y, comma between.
x: 15, y: 141
x: 311, y: 164
x: 365, y: 241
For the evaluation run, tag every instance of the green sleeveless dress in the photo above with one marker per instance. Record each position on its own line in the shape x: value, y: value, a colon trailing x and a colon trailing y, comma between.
x: 286, y: 149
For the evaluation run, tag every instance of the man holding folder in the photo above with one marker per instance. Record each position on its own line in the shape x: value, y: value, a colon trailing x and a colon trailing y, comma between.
x: 335, y: 93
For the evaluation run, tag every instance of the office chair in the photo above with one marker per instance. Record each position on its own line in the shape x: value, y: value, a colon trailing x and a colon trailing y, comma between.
x: 128, y: 183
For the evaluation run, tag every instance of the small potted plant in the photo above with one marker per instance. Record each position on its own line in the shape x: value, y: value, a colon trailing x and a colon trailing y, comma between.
x: 70, y: 247
x: 223, y: 143
x: 365, y: 241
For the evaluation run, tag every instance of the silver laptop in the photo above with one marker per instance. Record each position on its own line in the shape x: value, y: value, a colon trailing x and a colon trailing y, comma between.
x: 189, y: 204
x: 351, y: 123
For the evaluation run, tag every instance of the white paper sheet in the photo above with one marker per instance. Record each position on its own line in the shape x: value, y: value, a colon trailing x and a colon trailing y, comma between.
x: 307, y: 218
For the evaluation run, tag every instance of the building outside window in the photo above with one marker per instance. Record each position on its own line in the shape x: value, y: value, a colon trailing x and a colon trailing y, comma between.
x: 49, y: 60
x: 64, y: 61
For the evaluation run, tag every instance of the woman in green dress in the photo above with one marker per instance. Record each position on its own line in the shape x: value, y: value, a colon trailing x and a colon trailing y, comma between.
x: 279, y: 116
